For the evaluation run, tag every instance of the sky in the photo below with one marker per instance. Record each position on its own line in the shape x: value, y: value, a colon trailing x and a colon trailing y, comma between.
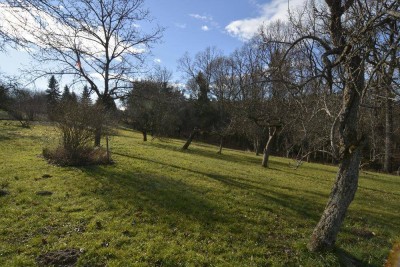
x: 191, y: 26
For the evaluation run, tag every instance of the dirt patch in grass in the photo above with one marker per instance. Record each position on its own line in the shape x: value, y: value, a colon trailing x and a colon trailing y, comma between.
x: 44, y: 193
x: 60, y: 258
x: 363, y: 233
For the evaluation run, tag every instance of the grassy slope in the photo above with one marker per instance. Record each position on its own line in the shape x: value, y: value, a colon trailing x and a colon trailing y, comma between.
x: 159, y: 206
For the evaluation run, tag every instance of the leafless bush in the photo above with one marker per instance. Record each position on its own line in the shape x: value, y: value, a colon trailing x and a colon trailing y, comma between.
x: 77, y: 123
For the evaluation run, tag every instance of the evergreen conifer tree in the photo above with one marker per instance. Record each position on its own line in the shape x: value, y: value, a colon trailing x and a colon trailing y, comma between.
x: 85, y: 97
x: 73, y: 98
x: 53, y: 95
x: 66, y: 95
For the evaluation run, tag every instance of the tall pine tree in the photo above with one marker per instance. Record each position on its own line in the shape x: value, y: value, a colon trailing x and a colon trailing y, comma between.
x: 85, y: 97
x: 53, y: 95
x: 67, y: 96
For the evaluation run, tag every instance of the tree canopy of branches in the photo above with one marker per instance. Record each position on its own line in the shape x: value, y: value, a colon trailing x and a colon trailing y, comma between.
x: 337, y: 42
x: 151, y: 106
x: 98, y: 42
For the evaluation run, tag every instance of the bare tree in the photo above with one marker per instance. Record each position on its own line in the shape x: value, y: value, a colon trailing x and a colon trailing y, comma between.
x: 151, y: 106
x: 339, y: 39
x: 199, y: 74
x: 385, y: 61
x: 204, y: 62
x: 98, y: 42
x: 334, y: 41
x: 224, y: 91
x: 20, y: 103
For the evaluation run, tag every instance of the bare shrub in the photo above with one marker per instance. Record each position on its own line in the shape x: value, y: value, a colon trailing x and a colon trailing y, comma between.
x: 77, y: 123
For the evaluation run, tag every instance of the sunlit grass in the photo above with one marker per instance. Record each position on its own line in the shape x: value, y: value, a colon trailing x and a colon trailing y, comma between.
x: 161, y: 206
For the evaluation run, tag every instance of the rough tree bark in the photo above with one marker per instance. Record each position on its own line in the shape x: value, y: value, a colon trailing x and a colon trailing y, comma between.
x: 387, y: 164
x: 144, y: 136
x: 97, y: 136
x: 387, y: 82
x: 256, y: 145
x: 221, y: 141
x: 345, y: 186
x: 267, y: 149
x: 190, y: 139
x: 105, y: 105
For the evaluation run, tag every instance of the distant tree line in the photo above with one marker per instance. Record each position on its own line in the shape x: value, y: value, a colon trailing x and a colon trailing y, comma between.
x: 232, y: 101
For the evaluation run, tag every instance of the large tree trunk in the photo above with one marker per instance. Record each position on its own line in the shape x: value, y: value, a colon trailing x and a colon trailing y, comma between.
x: 221, y: 141
x: 345, y: 187
x: 144, y: 136
x: 105, y: 105
x: 387, y: 164
x: 387, y: 81
x: 267, y: 149
x: 342, y: 194
x: 190, y: 139
x: 256, y: 145
x: 97, y: 136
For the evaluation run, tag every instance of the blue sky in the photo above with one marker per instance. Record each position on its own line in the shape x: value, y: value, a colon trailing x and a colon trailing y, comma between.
x: 194, y: 25
x: 191, y: 26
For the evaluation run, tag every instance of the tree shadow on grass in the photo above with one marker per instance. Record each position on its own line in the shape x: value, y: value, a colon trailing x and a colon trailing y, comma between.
x: 303, y: 207
x: 243, y: 159
x: 299, y: 205
x: 378, y: 191
x: 10, y: 136
x: 11, y: 132
x: 348, y: 260
x: 299, y: 174
x: 240, y: 182
x: 373, y: 218
x: 177, y: 199
x: 381, y: 179
x: 228, y: 157
x: 5, y: 137
x: 325, y: 168
x: 301, y: 201
x: 200, y: 151
x: 155, y: 193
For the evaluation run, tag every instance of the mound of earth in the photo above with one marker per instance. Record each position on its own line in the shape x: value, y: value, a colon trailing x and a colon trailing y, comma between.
x: 60, y: 258
x: 44, y: 193
x: 3, y: 193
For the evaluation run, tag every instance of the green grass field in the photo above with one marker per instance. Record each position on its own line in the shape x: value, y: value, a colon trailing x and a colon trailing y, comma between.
x: 160, y: 206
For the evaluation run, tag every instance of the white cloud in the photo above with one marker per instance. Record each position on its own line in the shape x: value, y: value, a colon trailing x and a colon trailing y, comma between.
x: 157, y: 61
x: 207, y: 19
x: 271, y: 11
x: 245, y: 28
x: 205, y: 28
x: 26, y: 24
x: 201, y: 17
